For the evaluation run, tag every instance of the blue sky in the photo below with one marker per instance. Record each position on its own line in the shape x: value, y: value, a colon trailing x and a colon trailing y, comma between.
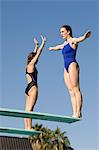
x: 21, y: 20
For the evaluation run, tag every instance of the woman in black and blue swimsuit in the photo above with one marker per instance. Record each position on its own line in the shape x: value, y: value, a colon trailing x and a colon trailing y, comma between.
x: 31, y: 76
x: 71, y: 67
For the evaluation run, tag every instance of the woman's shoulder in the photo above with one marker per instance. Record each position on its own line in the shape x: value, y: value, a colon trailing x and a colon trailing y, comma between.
x: 74, y: 40
x: 65, y: 43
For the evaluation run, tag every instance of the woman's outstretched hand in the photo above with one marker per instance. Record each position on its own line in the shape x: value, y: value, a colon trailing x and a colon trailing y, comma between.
x: 43, y: 38
x: 35, y: 41
x: 87, y: 34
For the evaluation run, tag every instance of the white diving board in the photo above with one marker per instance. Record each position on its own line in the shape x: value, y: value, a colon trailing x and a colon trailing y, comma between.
x: 19, y: 131
x: 37, y: 115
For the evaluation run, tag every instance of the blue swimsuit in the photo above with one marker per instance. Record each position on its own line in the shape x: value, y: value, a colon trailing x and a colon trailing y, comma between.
x: 69, y: 55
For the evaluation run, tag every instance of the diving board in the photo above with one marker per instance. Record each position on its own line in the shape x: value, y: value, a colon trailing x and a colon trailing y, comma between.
x: 19, y: 131
x: 37, y: 115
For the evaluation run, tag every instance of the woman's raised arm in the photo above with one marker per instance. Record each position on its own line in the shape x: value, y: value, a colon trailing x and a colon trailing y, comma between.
x: 39, y: 50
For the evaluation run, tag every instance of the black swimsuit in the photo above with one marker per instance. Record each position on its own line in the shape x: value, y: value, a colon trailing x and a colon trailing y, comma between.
x: 33, y: 76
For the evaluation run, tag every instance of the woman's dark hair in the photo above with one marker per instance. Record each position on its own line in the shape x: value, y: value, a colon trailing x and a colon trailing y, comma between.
x: 30, y: 57
x: 68, y: 28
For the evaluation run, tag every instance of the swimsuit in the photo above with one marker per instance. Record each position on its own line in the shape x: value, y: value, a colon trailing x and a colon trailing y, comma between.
x: 69, y: 55
x: 33, y: 76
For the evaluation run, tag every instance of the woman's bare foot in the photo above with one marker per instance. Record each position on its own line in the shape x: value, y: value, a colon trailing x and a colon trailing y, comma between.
x: 77, y: 115
x: 31, y: 129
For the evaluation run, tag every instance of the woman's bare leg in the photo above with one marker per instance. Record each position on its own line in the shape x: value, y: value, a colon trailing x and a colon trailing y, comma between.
x: 74, y: 78
x: 71, y: 91
x: 26, y: 119
x: 30, y: 103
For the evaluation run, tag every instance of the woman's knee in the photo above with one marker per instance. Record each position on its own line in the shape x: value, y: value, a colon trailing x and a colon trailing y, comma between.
x: 71, y: 91
x: 76, y: 89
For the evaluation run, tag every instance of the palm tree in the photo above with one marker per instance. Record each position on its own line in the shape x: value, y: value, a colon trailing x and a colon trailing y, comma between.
x: 49, y: 140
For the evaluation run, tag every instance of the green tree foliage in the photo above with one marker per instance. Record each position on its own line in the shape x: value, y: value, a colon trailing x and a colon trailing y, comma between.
x: 49, y: 140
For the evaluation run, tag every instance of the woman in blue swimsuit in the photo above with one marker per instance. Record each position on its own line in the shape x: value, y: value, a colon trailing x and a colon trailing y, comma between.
x: 71, y: 67
x: 31, y: 76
